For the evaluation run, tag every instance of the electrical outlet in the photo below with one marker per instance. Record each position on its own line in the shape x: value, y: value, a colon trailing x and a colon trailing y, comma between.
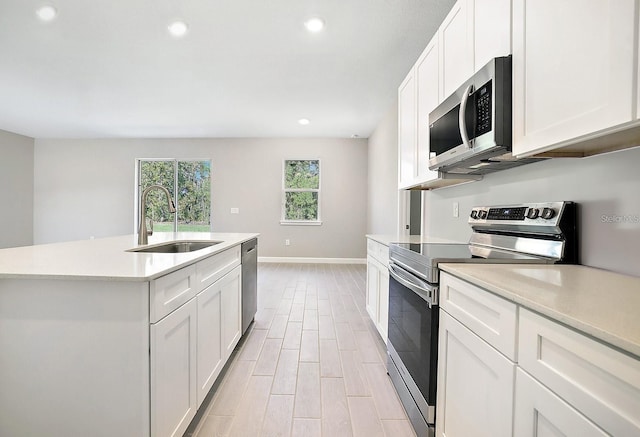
x: 456, y: 209
x: 287, y: 242
x: 235, y: 210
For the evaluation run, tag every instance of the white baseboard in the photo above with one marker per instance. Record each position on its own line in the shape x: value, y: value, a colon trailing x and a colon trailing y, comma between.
x: 301, y: 260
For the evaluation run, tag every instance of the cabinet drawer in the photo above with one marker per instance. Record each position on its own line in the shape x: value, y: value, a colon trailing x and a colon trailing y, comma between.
x: 489, y: 316
x: 211, y: 269
x: 378, y: 251
x: 599, y: 381
x: 168, y: 292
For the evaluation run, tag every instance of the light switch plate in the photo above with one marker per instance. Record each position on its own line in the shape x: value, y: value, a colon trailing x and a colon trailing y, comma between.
x: 456, y: 209
x: 235, y: 210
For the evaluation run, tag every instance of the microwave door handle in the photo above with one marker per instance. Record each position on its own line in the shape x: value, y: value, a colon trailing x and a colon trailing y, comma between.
x: 462, y: 122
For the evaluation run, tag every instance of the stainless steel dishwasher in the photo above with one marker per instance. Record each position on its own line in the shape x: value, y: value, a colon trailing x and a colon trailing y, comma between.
x: 249, y: 282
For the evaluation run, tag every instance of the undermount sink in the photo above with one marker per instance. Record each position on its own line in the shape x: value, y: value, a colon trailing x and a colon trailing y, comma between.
x: 176, y: 247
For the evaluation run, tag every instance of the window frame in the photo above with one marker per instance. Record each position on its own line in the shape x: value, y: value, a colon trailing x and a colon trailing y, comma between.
x: 287, y: 222
x: 138, y: 192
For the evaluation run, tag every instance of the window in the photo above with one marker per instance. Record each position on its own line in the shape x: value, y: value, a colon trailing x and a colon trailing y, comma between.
x: 301, y: 192
x: 189, y: 183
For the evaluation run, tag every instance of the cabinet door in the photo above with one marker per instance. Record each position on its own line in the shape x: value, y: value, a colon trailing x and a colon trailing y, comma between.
x: 491, y: 30
x: 540, y: 413
x: 231, y: 295
x: 428, y: 96
x: 475, y: 384
x: 173, y: 372
x: 210, y: 359
x: 373, y: 285
x: 456, y: 48
x: 406, y: 131
x: 573, y: 66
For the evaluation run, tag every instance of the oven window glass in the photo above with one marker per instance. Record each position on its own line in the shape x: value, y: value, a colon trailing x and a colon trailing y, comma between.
x: 413, y: 332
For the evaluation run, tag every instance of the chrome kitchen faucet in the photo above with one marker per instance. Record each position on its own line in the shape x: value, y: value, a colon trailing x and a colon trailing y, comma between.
x: 143, y: 233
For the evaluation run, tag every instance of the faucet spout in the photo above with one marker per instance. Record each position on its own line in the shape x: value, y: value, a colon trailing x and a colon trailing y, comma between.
x: 143, y: 233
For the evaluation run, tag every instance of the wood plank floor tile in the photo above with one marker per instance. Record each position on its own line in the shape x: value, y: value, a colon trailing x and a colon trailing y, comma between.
x: 367, y: 347
x: 384, y: 395
x: 297, y: 312
x: 326, y: 328
x: 309, y: 346
x: 324, y: 307
x: 285, y: 307
x: 310, y: 320
x: 284, y: 381
x: 330, y: 364
x: 397, y: 428
x: 292, y: 335
x: 231, y: 390
x: 336, y: 421
x: 279, y: 416
x: 251, y: 409
x: 345, y: 337
x: 268, y: 359
x: 307, y: 402
x: 306, y: 427
x: 215, y: 426
x: 263, y: 318
x: 355, y: 381
x: 253, y: 345
x: 364, y: 417
x: 278, y: 326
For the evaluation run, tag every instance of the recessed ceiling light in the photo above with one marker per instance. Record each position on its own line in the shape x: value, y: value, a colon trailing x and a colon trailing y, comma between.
x: 304, y: 121
x: 178, y: 28
x: 355, y: 136
x: 314, y: 24
x: 46, y: 12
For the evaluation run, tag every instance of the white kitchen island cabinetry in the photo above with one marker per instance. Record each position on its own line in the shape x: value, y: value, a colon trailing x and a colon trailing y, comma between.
x: 573, y: 71
x: 97, y: 339
x: 377, y: 294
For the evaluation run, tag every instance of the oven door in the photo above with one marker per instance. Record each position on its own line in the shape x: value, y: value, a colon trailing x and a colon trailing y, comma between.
x: 413, y: 345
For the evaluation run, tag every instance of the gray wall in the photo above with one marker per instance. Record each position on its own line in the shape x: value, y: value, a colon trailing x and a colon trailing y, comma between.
x: 16, y: 180
x: 85, y: 188
x: 604, y: 185
x: 382, y: 215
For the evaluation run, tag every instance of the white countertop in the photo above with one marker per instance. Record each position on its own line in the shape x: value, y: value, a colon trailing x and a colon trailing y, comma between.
x: 387, y: 239
x: 107, y: 258
x: 603, y: 304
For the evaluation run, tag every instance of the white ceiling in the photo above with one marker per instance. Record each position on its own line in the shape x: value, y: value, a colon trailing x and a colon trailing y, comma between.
x: 246, y: 68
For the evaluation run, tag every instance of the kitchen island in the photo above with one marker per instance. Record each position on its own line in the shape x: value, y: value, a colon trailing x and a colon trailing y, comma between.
x: 98, y: 340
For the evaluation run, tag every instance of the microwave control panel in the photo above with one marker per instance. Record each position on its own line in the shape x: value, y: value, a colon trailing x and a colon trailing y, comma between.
x: 482, y: 98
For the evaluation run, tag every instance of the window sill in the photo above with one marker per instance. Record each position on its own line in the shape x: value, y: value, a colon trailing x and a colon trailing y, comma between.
x: 301, y: 223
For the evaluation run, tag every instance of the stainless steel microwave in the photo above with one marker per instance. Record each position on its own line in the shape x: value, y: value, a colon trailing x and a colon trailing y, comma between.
x: 470, y: 131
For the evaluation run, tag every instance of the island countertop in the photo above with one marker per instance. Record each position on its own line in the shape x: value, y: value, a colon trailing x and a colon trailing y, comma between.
x: 108, y: 258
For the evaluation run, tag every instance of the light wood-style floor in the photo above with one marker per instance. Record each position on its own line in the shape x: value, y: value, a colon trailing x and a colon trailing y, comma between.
x: 312, y: 364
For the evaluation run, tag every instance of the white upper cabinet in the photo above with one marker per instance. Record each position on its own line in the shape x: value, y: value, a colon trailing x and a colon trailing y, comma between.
x: 456, y: 47
x: 491, y: 30
x: 407, y: 131
x: 573, y: 70
x: 427, y: 74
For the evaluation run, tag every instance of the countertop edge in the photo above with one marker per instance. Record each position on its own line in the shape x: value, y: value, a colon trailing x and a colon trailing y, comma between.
x: 626, y: 346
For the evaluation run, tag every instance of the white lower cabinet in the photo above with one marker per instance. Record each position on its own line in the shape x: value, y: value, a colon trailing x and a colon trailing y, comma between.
x: 566, y: 383
x: 475, y: 384
x: 219, y: 326
x: 190, y: 346
x: 540, y: 413
x: 377, y: 292
x: 173, y: 371
x: 231, y: 323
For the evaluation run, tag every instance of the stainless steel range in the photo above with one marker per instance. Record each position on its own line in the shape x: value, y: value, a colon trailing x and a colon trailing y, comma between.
x: 525, y: 233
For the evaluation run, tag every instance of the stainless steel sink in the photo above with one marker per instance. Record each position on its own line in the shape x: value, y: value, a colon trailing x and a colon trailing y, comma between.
x: 176, y: 247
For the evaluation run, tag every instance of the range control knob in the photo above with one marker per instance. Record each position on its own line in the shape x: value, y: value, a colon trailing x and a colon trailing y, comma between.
x: 474, y: 214
x: 548, y: 213
x: 482, y: 214
x: 533, y: 213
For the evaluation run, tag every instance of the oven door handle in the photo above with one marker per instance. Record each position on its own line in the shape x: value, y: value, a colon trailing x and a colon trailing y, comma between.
x: 427, y: 292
